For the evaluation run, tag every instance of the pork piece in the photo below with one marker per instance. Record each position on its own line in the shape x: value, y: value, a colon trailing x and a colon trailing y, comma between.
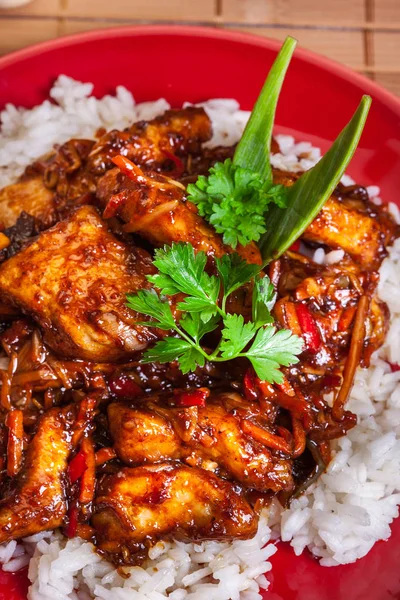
x: 151, y: 433
x: 320, y: 303
x: 65, y: 174
x: 20, y: 234
x: 73, y: 281
x: 151, y: 143
x: 30, y: 196
x: 136, y: 507
x: 350, y: 221
x: 37, y: 499
x: 50, y: 187
x: 156, y: 208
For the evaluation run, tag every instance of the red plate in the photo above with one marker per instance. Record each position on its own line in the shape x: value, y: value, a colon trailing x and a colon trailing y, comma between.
x: 319, y: 97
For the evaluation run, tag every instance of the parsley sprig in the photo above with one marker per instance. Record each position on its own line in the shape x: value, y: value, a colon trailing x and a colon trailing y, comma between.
x: 235, y: 201
x: 204, y: 309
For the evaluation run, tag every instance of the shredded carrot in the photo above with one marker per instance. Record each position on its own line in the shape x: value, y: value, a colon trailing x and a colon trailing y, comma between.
x: 88, y: 479
x: 286, y: 388
x: 128, y: 168
x: 295, y: 404
x: 265, y: 437
x: 7, y: 377
x: 275, y: 271
x: 292, y: 321
x: 299, y: 437
x: 15, y: 424
x: 325, y: 451
x: 346, y: 318
x: 353, y: 359
x: 85, y: 415
x: 49, y: 397
x: 104, y: 455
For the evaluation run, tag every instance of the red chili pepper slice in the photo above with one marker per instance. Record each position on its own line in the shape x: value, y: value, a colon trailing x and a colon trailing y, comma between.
x: 295, y: 247
x: 394, y: 367
x: 124, y: 386
x: 77, y: 466
x: 128, y: 168
x: 72, y: 526
x: 179, y: 166
x: 193, y: 398
x: 331, y: 381
x: 250, y: 387
x: 309, y: 328
x: 113, y: 205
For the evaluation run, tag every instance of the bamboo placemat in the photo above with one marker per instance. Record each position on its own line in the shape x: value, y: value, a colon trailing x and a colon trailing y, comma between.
x: 364, y: 34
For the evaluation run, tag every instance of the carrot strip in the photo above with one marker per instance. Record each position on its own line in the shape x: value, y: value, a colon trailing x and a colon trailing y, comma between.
x: 265, y: 437
x: 291, y: 318
x: 15, y: 424
x: 88, y: 479
x: 7, y: 377
x: 286, y: 387
x: 104, y: 455
x: 346, y: 318
x: 299, y: 437
x: 84, y: 417
x: 295, y: 404
x: 353, y: 359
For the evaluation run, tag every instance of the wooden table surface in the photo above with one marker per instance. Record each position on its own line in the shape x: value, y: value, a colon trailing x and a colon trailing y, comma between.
x: 364, y: 34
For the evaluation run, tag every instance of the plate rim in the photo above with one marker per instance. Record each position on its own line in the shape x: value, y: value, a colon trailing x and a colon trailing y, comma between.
x: 347, y: 73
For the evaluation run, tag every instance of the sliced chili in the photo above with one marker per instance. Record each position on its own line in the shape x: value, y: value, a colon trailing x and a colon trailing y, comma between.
x: 309, y: 328
x: 192, y: 398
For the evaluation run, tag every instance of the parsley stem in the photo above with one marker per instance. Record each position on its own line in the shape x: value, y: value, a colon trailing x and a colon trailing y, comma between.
x: 192, y: 342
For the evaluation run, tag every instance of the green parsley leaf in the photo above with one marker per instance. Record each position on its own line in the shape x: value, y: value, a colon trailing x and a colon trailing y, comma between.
x: 195, y: 327
x: 235, y: 200
x: 190, y: 360
x: 198, y: 305
x: 183, y: 270
x: 164, y: 283
x: 236, y: 334
x: 271, y: 349
x: 203, y: 309
x: 235, y: 272
x: 149, y: 303
x: 264, y: 298
x: 167, y: 350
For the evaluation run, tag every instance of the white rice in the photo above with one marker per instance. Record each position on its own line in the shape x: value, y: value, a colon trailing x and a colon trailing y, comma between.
x: 339, y: 519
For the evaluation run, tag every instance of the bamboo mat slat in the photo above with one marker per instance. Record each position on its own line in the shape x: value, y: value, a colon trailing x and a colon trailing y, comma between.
x: 387, y: 50
x: 363, y: 34
x: 344, y: 46
x: 387, y: 10
x: 293, y: 11
x: 188, y: 10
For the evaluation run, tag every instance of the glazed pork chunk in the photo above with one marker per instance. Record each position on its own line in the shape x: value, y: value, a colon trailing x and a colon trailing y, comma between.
x: 136, y: 507
x: 152, y: 143
x: 320, y: 303
x: 201, y: 436
x: 30, y: 196
x: 156, y: 208
x: 350, y: 221
x: 73, y: 280
x: 37, y: 498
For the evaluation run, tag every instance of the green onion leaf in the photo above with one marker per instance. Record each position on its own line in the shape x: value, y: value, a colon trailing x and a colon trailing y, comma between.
x: 254, y: 147
x: 310, y: 192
